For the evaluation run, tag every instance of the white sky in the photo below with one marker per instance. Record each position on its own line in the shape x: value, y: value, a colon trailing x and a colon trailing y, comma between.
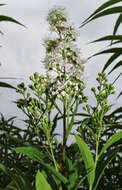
x: 22, y: 49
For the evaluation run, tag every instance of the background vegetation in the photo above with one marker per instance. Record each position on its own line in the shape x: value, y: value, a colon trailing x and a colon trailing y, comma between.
x: 34, y: 158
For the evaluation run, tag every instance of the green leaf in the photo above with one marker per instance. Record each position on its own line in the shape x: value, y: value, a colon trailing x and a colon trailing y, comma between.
x: 72, y: 173
x: 87, y: 158
x: 41, y: 182
x: 2, y: 4
x: 19, y: 181
x: 111, y: 50
x: 34, y: 154
x: 9, y: 19
x: 117, y: 111
x: 119, y: 64
x: 99, y: 9
x: 112, y: 10
x: 11, y: 186
x: 6, y: 85
x: 116, y: 137
x: 119, y: 94
x: 72, y: 121
x: 102, y: 167
x: 110, y: 37
x: 3, y: 168
x: 111, y: 59
x: 117, y: 78
x: 117, y: 24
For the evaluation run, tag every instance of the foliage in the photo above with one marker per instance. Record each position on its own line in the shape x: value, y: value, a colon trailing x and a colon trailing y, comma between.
x: 4, y: 18
x: 114, y: 39
x: 34, y: 157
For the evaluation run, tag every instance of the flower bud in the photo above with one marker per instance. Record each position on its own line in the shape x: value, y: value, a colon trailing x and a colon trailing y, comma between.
x: 36, y: 75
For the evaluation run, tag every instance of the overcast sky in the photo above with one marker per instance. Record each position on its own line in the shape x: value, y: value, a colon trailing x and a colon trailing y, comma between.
x: 22, y: 49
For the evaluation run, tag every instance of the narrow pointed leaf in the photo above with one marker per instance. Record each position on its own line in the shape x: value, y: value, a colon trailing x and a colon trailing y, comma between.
x: 113, y: 10
x: 111, y: 50
x: 106, y: 12
x: 110, y: 37
x: 118, y: 110
x: 6, y: 85
x: 117, y: 24
x: 117, y: 78
x: 119, y: 94
x: 87, y: 158
x: 115, y: 42
x: 9, y: 19
x: 110, y: 60
x: 119, y: 64
x: 41, y: 182
x: 34, y: 154
x: 101, y: 8
x: 116, y: 137
x: 2, y: 4
x: 72, y: 121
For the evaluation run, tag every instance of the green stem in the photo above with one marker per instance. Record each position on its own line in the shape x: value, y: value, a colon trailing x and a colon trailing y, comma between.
x: 68, y: 116
x: 53, y: 157
x: 64, y: 133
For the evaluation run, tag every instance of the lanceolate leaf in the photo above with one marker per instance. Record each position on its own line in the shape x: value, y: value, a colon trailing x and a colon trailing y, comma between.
x: 101, y: 8
x: 111, y: 50
x: 41, y: 182
x: 2, y: 4
x: 34, y: 154
x: 112, y: 10
x: 111, y: 59
x: 110, y: 37
x: 6, y: 85
x: 9, y: 19
x: 117, y: 78
x: 116, y: 137
x: 87, y: 158
x: 119, y: 64
x: 118, y: 22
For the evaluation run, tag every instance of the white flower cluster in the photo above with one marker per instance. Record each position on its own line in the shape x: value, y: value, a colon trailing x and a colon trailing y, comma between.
x: 62, y: 60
